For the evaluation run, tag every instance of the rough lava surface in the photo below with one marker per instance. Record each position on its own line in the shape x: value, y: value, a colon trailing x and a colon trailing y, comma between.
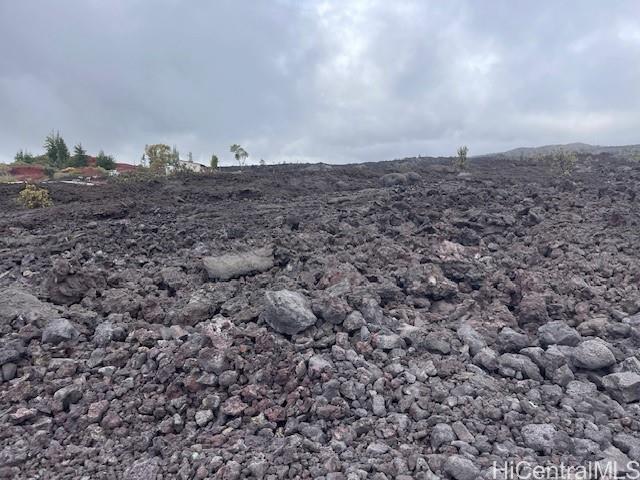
x: 394, y: 321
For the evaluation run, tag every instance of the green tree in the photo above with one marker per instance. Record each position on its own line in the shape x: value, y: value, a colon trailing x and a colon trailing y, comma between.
x: 461, y: 159
x: 80, y: 157
x: 105, y: 161
x: 57, y: 150
x: 24, y: 157
x: 214, y: 161
x: 240, y: 154
x: 160, y: 156
x: 175, y: 157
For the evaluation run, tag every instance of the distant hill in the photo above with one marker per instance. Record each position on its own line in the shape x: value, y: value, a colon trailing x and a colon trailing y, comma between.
x: 528, y: 152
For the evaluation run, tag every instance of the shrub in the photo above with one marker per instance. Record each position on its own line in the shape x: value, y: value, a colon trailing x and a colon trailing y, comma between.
x: 32, y: 196
x: 460, y: 162
x: 562, y: 163
x: 105, y: 161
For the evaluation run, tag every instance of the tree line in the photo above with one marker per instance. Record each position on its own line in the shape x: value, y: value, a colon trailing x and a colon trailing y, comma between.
x: 57, y: 155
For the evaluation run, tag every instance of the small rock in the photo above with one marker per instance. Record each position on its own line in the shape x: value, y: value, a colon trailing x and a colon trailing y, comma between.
x: 111, y: 420
x: 97, y: 410
x: 377, y: 449
x: 22, y: 415
x: 9, y: 371
x: 388, y: 342
x: 378, y: 405
x: 144, y: 469
x: 203, y: 417
x: 442, y: 434
x: 233, y: 406
x: 68, y: 395
x: 354, y: 321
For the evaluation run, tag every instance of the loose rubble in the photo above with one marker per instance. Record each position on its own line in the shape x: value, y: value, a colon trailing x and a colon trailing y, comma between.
x: 384, y: 321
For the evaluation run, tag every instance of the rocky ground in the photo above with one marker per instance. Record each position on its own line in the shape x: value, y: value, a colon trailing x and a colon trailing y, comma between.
x: 322, y: 322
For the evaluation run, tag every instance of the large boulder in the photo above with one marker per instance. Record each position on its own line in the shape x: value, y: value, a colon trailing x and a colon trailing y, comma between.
x: 558, y: 333
x: 461, y: 468
x: 16, y: 303
x: 59, y: 330
x: 593, y: 355
x: 234, y: 265
x: 288, y: 312
x: 545, y: 438
x: 392, y: 179
x: 623, y: 386
x: 68, y: 283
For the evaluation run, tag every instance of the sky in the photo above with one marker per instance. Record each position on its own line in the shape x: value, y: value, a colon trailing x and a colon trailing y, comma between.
x: 318, y: 81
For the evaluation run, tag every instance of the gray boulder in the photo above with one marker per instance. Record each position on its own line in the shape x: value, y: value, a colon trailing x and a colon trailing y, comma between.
x: 511, y: 341
x: 623, y: 386
x: 442, y: 434
x: 392, y: 179
x: 511, y: 363
x: 143, y: 469
x: 59, y: 330
x: 471, y: 337
x: 234, y: 265
x: 15, y: 303
x: 539, y: 436
x: 558, y: 333
x: 288, y: 312
x: 461, y: 468
x: 545, y: 438
x: 106, y: 332
x: 593, y: 355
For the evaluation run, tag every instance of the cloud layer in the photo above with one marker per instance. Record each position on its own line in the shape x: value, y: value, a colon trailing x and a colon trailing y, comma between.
x: 333, y: 81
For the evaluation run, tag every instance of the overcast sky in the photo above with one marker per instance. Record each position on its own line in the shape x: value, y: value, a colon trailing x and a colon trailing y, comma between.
x: 332, y: 81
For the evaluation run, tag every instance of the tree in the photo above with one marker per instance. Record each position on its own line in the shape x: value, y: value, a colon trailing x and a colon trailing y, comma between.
x: 57, y: 150
x: 262, y: 162
x: 461, y: 160
x: 175, y: 157
x: 214, y: 161
x: 240, y: 154
x: 80, y: 157
x: 160, y: 156
x: 105, y: 161
x: 24, y: 157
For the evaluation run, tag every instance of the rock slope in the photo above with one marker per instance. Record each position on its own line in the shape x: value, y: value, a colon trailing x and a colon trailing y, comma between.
x: 322, y: 322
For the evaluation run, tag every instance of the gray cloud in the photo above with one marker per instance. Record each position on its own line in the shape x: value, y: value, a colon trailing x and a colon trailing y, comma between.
x: 333, y: 81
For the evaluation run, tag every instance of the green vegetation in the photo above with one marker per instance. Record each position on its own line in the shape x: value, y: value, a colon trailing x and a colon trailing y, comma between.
x: 24, y: 157
x: 160, y: 156
x: 105, y: 161
x: 80, y: 157
x: 214, y: 161
x: 562, y: 163
x: 56, y: 150
x: 32, y: 196
x: 460, y: 162
x: 240, y: 154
